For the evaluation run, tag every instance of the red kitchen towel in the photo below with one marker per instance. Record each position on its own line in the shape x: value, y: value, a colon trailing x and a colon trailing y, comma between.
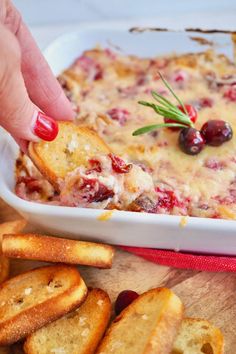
x: 206, y: 263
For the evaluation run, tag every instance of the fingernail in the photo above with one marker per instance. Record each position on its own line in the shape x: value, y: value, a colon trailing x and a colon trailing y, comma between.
x: 45, y: 127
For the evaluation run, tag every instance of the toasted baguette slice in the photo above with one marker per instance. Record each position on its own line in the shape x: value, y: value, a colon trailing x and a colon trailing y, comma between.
x: 56, y: 249
x: 73, y: 147
x: 197, y: 336
x: 147, y: 326
x: 77, y: 333
x: 5, y: 228
x: 35, y: 298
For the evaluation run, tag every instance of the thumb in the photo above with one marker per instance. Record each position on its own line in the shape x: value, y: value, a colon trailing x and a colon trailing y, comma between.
x: 18, y: 115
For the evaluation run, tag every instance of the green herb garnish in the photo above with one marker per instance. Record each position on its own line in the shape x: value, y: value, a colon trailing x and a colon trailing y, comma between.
x: 167, y: 110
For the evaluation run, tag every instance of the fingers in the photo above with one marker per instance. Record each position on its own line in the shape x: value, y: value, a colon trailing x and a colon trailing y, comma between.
x: 18, y: 115
x: 23, y: 144
x: 43, y: 88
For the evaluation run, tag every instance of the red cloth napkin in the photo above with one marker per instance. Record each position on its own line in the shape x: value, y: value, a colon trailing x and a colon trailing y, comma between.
x: 206, y: 263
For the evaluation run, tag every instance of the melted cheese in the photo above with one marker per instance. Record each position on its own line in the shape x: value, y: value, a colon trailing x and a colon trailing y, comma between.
x: 205, y: 179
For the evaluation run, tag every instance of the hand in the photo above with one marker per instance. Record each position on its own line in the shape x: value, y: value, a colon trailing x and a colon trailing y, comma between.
x: 27, y: 85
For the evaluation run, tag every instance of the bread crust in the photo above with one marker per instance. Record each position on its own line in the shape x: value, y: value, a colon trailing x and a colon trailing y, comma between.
x: 41, y: 166
x: 168, y: 322
x: 41, y: 152
x: 8, y: 227
x: 87, y: 309
x: 37, y: 314
x: 57, y: 249
x: 203, y: 333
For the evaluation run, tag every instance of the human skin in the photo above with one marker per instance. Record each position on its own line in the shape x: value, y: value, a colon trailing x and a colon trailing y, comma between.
x: 27, y: 85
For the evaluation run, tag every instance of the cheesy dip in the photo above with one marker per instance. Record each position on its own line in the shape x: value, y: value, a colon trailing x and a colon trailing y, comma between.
x: 104, y: 88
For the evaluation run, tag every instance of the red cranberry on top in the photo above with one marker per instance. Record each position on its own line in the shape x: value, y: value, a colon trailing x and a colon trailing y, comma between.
x: 124, y: 299
x: 216, y: 132
x: 191, y: 141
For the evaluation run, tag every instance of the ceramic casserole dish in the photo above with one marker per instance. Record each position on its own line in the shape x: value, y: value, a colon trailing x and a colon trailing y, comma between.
x: 194, y: 234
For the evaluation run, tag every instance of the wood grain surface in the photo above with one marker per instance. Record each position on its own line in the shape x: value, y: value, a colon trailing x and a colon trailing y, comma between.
x: 207, y: 295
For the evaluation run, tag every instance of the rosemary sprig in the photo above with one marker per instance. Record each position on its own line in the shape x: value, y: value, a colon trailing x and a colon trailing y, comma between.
x: 149, y: 128
x: 173, y: 93
x: 166, y: 109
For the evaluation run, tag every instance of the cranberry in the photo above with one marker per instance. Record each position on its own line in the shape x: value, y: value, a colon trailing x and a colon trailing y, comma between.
x: 91, y: 190
x: 166, y: 199
x: 118, y: 165
x: 205, y: 102
x: 230, y: 94
x: 95, y: 166
x: 201, y: 103
x: 119, y: 114
x: 227, y: 200
x: 179, y: 78
x: 191, y: 141
x: 192, y: 113
x: 124, y: 299
x: 103, y: 193
x: 32, y: 184
x: 216, y: 132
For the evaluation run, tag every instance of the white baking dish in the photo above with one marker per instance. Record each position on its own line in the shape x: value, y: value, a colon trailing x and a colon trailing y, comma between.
x: 123, y: 228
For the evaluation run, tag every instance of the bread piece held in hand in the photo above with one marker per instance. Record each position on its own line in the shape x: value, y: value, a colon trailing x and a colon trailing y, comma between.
x: 56, y: 249
x: 37, y: 297
x: 197, y: 336
x: 79, y: 332
x: 6, y: 228
x: 73, y: 147
x: 148, y: 325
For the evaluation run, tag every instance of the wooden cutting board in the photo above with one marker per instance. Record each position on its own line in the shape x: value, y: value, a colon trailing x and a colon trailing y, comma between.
x: 207, y: 295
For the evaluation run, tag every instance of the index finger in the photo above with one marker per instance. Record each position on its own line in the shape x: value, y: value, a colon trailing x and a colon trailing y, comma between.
x: 43, y: 88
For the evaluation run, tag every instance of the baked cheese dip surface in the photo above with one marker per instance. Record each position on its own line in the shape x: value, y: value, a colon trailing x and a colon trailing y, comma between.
x: 104, y: 88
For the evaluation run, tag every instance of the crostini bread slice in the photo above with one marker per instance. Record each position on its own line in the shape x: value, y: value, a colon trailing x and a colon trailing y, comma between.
x: 79, y: 332
x: 56, y: 249
x: 37, y: 297
x: 148, y: 325
x: 5, y: 228
x: 198, y: 336
x: 73, y: 147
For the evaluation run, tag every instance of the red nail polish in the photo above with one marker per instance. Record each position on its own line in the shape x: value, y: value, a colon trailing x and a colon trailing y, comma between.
x: 45, y: 127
